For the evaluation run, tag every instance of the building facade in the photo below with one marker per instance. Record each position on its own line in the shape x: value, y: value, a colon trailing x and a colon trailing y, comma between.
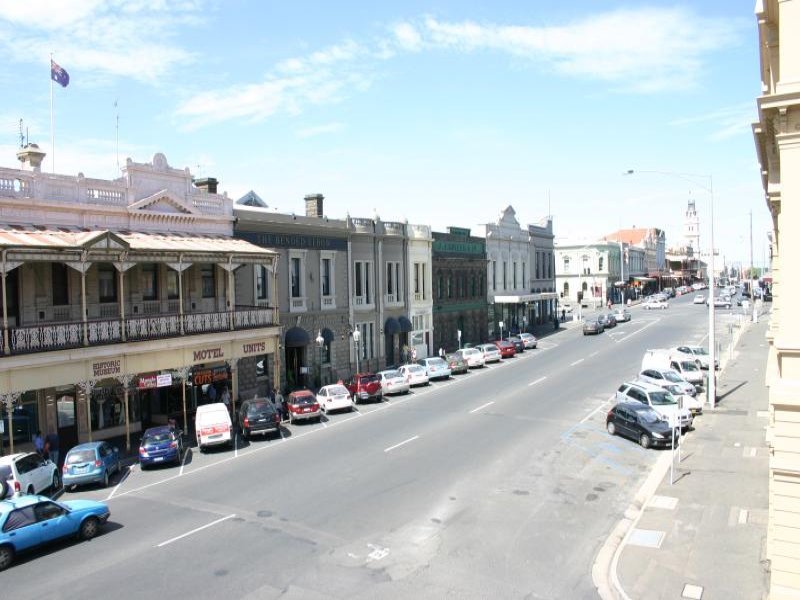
x: 777, y: 138
x: 653, y: 242
x: 543, y: 297
x: 420, y: 285
x: 459, y: 281
x: 586, y: 273
x: 121, y: 305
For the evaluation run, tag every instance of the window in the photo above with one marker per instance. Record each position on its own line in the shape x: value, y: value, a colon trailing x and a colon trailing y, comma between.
x: 600, y: 264
x: 60, y: 281
x: 208, y: 283
x: 494, y: 275
x: 149, y: 281
x: 439, y: 290
x: 566, y: 264
x: 294, y: 274
x: 449, y: 286
x: 325, y: 276
x: 473, y: 286
x: 524, y: 280
x: 417, y: 282
x: 505, y: 276
x: 262, y: 285
x: 394, y: 288
x: 22, y: 517
x: 107, y: 283
x: 538, y: 264
x: 45, y: 511
x: 172, y: 285
x: 514, y: 274
x: 363, y: 282
x: 366, y: 345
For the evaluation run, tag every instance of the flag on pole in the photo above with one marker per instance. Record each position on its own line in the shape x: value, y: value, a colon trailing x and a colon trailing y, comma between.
x: 58, y: 74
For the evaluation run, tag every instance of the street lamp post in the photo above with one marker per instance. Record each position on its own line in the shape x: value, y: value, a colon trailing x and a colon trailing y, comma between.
x: 320, y: 341
x: 711, y: 391
x: 356, y: 338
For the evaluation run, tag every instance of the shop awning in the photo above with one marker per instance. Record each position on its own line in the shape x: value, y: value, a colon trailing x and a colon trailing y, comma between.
x: 523, y: 298
x: 405, y: 324
x: 327, y: 335
x: 296, y: 337
x: 644, y: 278
x: 391, y: 327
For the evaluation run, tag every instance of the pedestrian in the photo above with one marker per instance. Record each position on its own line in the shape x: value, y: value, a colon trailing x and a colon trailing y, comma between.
x: 38, y: 442
x: 441, y: 353
x: 211, y: 392
x: 413, y: 355
x: 564, y: 314
x: 609, y: 304
x: 226, y: 398
x: 51, y: 443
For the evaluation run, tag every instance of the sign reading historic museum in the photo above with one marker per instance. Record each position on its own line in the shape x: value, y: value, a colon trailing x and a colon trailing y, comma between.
x: 106, y: 368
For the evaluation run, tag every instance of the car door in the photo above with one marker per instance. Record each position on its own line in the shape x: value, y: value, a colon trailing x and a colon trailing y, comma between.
x: 108, y: 456
x: 42, y: 473
x: 21, y: 528
x: 29, y: 475
x: 53, y: 521
x: 622, y: 420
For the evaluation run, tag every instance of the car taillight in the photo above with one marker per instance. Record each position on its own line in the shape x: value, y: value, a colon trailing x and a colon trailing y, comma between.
x: 315, y: 406
x: 142, y: 452
x: 246, y: 422
x: 17, y: 486
x: 173, y: 444
x: 276, y: 417
x: 98, y: 463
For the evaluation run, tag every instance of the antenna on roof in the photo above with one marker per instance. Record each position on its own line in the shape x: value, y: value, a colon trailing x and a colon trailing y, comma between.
x: 21, y: 136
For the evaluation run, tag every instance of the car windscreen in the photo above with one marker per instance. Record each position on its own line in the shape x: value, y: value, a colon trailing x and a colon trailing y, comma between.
x: 156, y: 438
x: 662, y: 399
x: 257, y: 408
x: 672, y: 376
x: 700, y: 351
x: 368, y: 378
x: 415, y: 369
x: 339, y: 390
x: 438, y: 362
x: 80, y: 456
x: 301, y: 399
x: 391, y: 374
x: 648, y: 416
x: 689, y: 366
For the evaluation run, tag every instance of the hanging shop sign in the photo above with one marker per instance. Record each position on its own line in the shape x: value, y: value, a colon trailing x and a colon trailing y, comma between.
x: 205, y: 376
x: 153, y: 381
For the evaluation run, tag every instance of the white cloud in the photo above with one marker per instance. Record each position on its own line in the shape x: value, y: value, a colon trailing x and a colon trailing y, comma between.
x: 726, y: 122
x: 308, y: 132
x: 125, y: 39
x: 407, y: 37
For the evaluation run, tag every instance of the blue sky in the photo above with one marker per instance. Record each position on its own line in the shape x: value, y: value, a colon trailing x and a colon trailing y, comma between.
x: 438, y: 112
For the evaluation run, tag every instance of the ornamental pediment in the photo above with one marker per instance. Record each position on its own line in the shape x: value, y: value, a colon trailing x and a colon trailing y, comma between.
x: 165, y: 202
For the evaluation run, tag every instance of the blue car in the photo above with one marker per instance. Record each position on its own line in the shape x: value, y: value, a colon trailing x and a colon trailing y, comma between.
x: 160, y: 445
x: 27, y: 522
x: 93, y: 462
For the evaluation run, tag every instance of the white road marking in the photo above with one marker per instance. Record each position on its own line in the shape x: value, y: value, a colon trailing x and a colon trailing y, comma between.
x: 630, y: 335
x: 577, y: 362
x: 591, y: 414
x: 183, y: 462
x: 411, y: 439
x: 474, y: 410
x: 593, y: 354
x: 121, y: 481
x: 236, y: 445
x: 541, y: 379
x: 193, y: 531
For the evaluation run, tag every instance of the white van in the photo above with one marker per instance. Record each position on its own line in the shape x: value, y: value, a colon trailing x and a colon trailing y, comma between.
x: 661, y: 359
x: 213, y: 425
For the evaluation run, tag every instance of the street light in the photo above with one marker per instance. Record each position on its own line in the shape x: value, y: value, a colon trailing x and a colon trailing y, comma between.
x: 320, y: 341
x: 356, y: 338
x: 712, y: 340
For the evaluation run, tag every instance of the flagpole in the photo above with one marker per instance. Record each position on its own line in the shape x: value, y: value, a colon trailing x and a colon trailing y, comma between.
x: 52, y: 126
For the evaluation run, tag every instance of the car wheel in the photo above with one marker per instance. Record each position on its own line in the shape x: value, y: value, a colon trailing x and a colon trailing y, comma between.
x: 644, y: 441
x: 56, y: 483
x: 612, y: 429
x: 89, y: 528
x: 105, y: 479
x: 6, y: 556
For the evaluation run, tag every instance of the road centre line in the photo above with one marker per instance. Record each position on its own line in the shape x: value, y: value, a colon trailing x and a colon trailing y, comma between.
x: 595, y: 353
x: 193, y: 531
x: 474, y: 410
x: 577, y: 362
x: 411, y: 439
x: 541, y: 379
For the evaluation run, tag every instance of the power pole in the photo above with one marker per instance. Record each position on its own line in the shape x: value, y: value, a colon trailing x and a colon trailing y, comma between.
x: 751, y: 245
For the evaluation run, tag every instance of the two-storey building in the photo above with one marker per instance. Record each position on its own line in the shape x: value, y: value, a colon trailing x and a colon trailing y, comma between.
x: 120, y: 302
x: 586, y: 272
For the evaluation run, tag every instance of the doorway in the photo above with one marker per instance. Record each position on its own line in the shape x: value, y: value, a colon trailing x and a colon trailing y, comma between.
x: 67, y: 423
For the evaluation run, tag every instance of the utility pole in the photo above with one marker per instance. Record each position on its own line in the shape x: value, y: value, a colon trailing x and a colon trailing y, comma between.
x: 751, y: 246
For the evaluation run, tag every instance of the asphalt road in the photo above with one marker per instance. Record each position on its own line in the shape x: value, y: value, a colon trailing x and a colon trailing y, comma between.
x: 501, y: 483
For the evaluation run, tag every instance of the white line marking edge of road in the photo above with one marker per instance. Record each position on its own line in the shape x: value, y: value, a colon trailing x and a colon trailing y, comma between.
x: 411, y: 439
x: 474, y: 410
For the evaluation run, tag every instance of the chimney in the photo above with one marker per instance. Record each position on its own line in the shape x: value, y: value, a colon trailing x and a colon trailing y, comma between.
x: 314, y: 205
x: 31, y: 157
x: 207, y: 184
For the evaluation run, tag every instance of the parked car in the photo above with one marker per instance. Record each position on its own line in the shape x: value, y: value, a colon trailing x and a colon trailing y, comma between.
x: 506, y: 348
x: 414, y: 375
x: 163, y: 444
x: 655, y: 303
x: 27, y: 522
x: 474, y: 357
x: 490, y: 353
x: 6, y: 482
x: 593, y: 326
x: 435, y: 367
x: 700, y: 355
x: 30, y: 473
x: 519, y: 345
x: 662, y: 377
x: 301, y: 405
x: 334, y: 397
x: 258, y: 416
x: 393, y: 382
x: 656, y: 398
x: 529, y: 340
x: 661, y: 358
x: 622, y: 315
x: 693, y: 403
x: 639, y: 422
x: 611, y: 321
x: 365, y: 386
x: 213, y: 426
x: 91, y: 462
x: 699, y: 299
x: 458, y: 365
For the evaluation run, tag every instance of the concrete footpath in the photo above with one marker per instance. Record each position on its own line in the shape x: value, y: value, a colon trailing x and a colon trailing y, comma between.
x: 704, y: 535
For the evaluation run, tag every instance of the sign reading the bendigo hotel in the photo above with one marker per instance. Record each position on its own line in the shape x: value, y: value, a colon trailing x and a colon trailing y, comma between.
x: 106, y: 368
x: 292, y: 240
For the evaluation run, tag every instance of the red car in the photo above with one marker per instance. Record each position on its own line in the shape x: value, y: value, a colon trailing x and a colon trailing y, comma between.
x: 302, y: 405
x: 365, y: 386
x: 506, y: 348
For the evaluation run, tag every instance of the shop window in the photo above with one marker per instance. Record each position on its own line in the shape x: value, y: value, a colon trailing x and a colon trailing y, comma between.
x: 149, y: 281
x: 295, y: 277
x: 209, y: 286
x: 173, y: 293
x: 107, y: 282
x: 26, y: 419
x: 60, y: 282
x: 108, y: 408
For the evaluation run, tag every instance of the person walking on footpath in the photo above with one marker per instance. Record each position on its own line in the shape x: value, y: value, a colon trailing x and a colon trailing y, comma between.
x: 38, y: 443
x: 51, y: 446
x: 226, y: 398
x: 441, y: 353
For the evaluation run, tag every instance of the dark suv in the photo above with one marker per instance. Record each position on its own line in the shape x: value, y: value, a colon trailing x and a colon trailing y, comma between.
x: 639, y: 422
x: 258, y: 416
x: 365, y: 386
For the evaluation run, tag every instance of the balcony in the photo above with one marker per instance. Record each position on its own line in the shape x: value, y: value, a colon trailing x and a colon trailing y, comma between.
x: 61, y: 336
